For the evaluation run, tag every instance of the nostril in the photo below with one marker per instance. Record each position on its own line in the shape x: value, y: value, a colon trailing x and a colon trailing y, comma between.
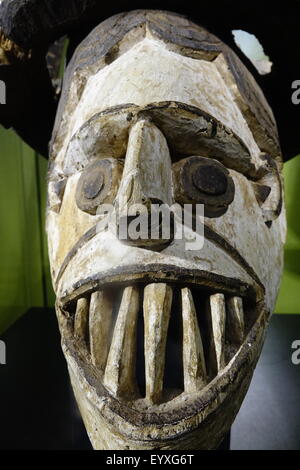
x: 156, y: 201
x: 150, y: 226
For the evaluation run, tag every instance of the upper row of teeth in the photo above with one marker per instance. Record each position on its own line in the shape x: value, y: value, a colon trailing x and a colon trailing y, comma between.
x: 115, y: 356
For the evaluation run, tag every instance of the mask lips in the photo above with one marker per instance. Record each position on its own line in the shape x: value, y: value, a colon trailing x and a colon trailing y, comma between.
x: 133, y: 331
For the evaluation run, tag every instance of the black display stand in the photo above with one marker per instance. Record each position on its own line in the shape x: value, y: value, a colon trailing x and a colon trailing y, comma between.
x: 38, y: 410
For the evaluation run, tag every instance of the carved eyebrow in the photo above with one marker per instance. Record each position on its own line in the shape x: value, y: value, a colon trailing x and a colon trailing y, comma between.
x: 188, y: 130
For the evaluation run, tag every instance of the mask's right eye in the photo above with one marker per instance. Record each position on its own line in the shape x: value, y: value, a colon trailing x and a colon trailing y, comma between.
x: 98, y: 184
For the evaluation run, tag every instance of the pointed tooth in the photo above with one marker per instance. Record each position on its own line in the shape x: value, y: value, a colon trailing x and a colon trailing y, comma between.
x: 235, y: 320
x: 81, y: 318
x: 193, y: 356
x: 119, y: 375
x: 157, y: 309
x: 99, y: 326
x: 218, y: 317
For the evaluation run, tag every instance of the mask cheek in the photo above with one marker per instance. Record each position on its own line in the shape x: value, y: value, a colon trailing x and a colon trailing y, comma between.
x: 67, y: 226
x: 244, y: 227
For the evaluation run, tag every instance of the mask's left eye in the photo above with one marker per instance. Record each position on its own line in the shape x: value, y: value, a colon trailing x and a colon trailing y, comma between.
x: 98, y: 184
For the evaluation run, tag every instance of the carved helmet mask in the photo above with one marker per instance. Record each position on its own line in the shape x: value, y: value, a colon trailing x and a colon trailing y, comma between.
x: 161, y: 341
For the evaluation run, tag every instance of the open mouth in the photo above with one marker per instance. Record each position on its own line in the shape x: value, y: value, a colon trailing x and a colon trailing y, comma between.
x: 153, y: 344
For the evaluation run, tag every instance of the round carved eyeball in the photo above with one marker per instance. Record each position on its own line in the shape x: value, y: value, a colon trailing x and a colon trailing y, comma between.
x: 209, y: 179
x: 203, y: 180
x: 98, y: 184
x: 93, y: 184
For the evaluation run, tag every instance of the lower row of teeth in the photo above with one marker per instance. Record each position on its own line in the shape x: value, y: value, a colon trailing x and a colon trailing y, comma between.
x: 112, y: 344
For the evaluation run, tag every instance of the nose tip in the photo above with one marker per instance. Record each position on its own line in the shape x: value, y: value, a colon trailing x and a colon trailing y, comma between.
x: 148, y: 225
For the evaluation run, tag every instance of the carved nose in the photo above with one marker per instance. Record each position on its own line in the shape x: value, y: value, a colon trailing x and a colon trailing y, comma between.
x: 145, y: 193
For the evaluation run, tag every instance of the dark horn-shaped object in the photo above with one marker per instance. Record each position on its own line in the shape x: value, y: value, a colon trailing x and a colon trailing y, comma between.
x: 30, y: 102
x: 27, y: 29
x: 30, y: 23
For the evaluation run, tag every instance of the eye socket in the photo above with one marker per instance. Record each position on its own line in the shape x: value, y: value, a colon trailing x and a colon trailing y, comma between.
x: 205, y: 181
x: 98, y: 183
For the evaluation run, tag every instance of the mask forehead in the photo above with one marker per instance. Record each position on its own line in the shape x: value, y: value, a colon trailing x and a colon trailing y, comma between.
x: 115, y: 37
x: 194, y: 82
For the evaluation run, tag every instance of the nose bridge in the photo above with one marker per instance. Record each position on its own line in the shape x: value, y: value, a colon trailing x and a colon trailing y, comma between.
x: 147, y: 171
x: 146, y: 180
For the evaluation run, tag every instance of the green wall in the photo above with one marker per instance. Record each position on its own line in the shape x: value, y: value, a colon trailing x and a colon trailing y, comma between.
x: 24, y: 268
x: 288, y: 299
x: 24, y: 271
